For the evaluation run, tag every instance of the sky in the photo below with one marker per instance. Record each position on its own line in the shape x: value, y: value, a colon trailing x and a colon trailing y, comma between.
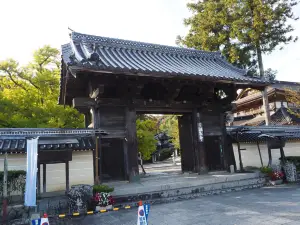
x: 31, y: 24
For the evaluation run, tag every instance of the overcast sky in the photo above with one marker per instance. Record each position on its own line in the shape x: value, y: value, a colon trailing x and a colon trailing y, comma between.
x: 27, y: 25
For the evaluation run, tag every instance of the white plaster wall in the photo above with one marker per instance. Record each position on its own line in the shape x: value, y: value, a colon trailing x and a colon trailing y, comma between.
x: 81, y: 170
x: 250, y: 156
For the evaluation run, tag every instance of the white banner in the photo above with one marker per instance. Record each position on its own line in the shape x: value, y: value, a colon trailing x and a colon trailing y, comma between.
x: 31, y: 172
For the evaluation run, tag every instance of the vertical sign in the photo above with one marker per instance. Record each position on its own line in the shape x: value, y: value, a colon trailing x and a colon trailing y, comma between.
x: 200, y: 132
x: 147, y: 209
x: 31, y: 172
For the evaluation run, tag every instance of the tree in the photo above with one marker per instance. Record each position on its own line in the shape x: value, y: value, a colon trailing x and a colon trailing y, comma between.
x: 169, y: 124
x: 293, y: 96
x: 31, y: 93
x: 146, y: 129
x: 242, y: 29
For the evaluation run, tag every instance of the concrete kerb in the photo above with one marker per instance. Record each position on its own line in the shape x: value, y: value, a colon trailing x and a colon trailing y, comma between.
x: 76, y: 214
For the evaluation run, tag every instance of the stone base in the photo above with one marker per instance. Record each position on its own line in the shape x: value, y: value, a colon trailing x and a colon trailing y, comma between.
x: 181, y: 187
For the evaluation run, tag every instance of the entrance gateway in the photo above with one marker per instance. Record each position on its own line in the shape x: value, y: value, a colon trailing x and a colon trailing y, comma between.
x: 112, y: 80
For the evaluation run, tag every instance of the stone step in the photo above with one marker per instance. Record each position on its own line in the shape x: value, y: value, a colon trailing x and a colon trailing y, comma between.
x: 183, y: 193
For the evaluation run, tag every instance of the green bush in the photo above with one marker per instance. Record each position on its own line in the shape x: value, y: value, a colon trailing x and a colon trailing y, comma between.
x: 16, y: 180
x: 266, y: 169
x: 102, y: 188
x: 12, y: 174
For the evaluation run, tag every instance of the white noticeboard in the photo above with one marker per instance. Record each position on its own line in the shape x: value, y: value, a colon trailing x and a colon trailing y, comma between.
x: 200, y: 132
x: 31, y: 172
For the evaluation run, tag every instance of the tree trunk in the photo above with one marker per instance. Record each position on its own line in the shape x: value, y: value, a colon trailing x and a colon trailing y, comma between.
x: 264, y: 92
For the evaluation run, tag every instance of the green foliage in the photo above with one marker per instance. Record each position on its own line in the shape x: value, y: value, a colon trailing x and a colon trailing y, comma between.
x: 12, y: 174
x: 16, y: 180
x: 293, y: 96
x: 241, y: 29
x: 146, y: 129
x: 169, y: 124
x: 31, y: 93
x: 102, y: 189
x: 266, y: 170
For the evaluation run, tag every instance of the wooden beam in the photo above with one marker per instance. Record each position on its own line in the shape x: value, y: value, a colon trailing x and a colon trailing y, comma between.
x: 172, y: 94
x: 138, y: 104
x: 83, y: 102
x: 44, y: 177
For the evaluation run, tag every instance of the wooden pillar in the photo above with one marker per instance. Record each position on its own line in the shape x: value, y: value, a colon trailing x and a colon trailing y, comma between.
x: 67, y: 177
x: 96, y: 156
x: 87, y: 119
x: 266, y: 106
x: 270, y: 156
x: 132, y: 148
x: 259, y: 152
x: 39, y: 180
x: 198, y: 141
x: 44, y: 177
x: 227, y: 159
x: 186, y: 143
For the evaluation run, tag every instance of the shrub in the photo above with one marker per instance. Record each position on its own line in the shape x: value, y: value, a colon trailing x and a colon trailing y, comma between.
x: 102, y: 189
x: 12, y: 174
x: 16, y: 180
x: 266, y: 170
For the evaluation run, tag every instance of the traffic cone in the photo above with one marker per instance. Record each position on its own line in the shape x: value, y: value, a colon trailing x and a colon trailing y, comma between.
x: 45, y: 220
x: 141, y: 215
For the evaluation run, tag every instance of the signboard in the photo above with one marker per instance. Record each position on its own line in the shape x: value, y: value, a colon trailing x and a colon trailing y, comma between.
x: 200, y: 132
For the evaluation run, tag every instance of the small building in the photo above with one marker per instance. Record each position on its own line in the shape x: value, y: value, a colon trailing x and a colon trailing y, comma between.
x: 249, y: 106
x: 111, y: 81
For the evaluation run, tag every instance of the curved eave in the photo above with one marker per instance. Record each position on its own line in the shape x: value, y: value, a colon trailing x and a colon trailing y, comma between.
x: 223, y: 79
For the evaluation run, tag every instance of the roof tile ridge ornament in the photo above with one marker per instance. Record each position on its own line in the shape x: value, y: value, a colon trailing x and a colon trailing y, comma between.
x: 89, y: 49
x: 143, y: 46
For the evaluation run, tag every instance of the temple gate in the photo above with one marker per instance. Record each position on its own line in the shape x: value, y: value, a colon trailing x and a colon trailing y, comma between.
x: 112, y: 80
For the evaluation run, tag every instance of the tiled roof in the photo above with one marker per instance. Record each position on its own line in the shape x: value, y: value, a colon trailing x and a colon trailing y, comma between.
x: 116, y: 55
x: 14, y: 139
x: 281, y: 116
x: 251, y: 134
x: 16, y: 144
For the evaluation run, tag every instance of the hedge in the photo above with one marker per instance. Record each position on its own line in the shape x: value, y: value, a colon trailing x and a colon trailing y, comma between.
x: 12, y: 174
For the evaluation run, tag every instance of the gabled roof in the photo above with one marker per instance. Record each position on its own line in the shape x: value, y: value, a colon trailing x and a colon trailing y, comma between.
x: 278, y: 87
x: 281, y: 116
x: 116, y: 55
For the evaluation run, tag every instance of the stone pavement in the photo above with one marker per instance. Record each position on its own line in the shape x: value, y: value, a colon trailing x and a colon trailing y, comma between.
x: 265, y: 206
